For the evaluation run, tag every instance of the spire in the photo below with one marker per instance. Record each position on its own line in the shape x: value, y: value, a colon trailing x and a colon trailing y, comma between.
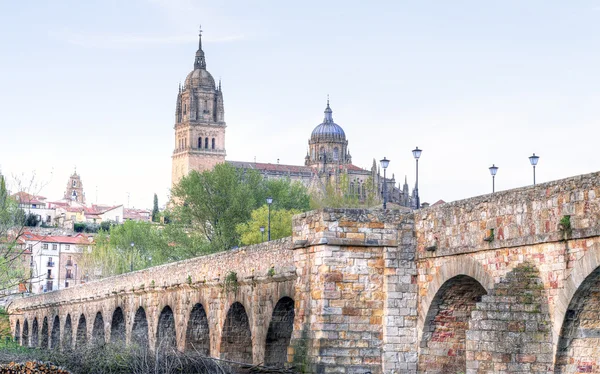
x: 199, y: 62
x: 328, y: 112
x: 219, y: 84
x: 200, y: 37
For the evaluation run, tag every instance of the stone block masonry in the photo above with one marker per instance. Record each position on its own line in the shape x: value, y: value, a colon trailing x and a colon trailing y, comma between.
x: 501, y: 283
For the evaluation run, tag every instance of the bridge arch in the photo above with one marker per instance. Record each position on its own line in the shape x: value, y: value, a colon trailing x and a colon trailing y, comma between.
x: 25, y: 334
x: 443, y: 345
x: 166, y: 333
x: 451, y: 268
x: 45, y: 337
x: 279, y: 333
x: 576, y: 323
x: 81, y: 337
x: 139, y: 330
x: 18, y: 332
x: 35, y: 333
x: 55, y: 335
x: 98, y: 330
x: 236, y: 336
x: 67, y: 340
x: 117, y: 327
x: 197, y: 336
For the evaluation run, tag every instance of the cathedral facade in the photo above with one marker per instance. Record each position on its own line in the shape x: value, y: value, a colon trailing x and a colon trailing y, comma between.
x: 200, y: 144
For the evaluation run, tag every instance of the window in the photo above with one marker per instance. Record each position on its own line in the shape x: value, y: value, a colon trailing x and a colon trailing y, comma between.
x: 54, y: 247
x: 67, y: 247
x: 48, y: 219
x: 199, y: 142
x: 213, y: 143
x: 117, y: 219
x: 336, y: 154
x: 184, y: 108
x: 30, y: 247
x: 45, y: 246
x: 69, y: 274
x: 74, y: 183
x: 66, y: 284
x: 49, y: 273
x: 206, y: 143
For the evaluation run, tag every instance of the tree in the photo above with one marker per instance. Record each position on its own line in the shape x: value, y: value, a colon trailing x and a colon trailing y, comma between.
x: 152, y: 245
x: 281, y: 225
x: 12, y: 227
x: 155, y: 211
x: 215, y: 202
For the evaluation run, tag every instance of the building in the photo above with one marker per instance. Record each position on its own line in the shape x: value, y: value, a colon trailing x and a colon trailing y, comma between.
x: 54, y: 260
x: 200, y: 144
x: 140, y: 215
x: 74, y: 190
x: 38, y: 206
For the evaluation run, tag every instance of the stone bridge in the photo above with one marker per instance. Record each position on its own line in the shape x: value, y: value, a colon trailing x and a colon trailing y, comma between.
x: 507, y: 282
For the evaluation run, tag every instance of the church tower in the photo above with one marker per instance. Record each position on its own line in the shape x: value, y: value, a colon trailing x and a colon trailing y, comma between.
x: 199, y: 122
x: 74, y: 191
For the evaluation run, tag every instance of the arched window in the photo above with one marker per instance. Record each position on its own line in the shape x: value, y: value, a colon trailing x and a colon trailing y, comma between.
x: 336, y: 154
x: 213, y: 143
x: 206, y: 143
x: 199, y: 142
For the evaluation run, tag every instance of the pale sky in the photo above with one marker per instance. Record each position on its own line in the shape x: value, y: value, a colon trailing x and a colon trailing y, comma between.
x: 93, y: 84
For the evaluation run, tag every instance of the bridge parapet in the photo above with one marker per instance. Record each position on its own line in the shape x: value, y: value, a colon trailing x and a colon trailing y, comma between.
x: 518, y: 217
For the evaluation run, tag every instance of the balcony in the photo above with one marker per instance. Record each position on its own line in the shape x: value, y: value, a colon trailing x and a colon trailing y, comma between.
x: 50, y: 264
x: 69, y: 263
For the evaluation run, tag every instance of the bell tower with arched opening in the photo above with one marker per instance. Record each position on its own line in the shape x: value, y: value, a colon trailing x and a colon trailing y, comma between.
x: 199, y: 122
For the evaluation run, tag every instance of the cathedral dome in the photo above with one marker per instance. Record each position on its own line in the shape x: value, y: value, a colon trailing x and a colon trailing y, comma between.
x: 328, y: 130
x: 200, y: 78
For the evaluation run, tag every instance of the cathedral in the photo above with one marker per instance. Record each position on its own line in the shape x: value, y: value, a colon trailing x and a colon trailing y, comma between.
x: 200, y: 145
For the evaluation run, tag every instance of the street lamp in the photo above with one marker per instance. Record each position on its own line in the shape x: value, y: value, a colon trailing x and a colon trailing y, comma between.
x: 384, y: 164
x: 269, y: 202
x: 416, y: 154
x: 534, y: 160
x: 493, y: 171
x: 131, y: 265
x: 262, y: 233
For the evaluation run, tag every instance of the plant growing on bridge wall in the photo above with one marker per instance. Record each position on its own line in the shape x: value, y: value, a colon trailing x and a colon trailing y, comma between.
x: 490, y: 237
x: 271, y: 271
x: 565, y: 226
x: 231, y: 282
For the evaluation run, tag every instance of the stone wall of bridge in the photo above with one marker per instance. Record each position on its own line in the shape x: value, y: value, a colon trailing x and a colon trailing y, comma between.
x: 497, y: 283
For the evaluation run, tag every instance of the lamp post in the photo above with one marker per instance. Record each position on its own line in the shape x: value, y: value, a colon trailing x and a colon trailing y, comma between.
x: 493, y: 171
x: 262, y: 233
x: 534, y: 160
x: 416, y: 154
x: 384, y: 164
x: 269, y: 202
x: 131, y: 264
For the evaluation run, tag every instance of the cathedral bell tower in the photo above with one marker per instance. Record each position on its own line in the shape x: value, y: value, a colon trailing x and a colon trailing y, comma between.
x: 199, y: 122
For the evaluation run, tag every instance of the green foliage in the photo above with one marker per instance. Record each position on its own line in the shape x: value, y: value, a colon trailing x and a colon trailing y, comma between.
x: 271, y: 272
x: 231, y: 282
x: 214, y: 203
x: 155, y: 212
x: 565, y: 226
x: 152, y: 245
x: 31, y: 220
x: 12, y: 219
x: 87, y: 227
x: 281, y: 225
